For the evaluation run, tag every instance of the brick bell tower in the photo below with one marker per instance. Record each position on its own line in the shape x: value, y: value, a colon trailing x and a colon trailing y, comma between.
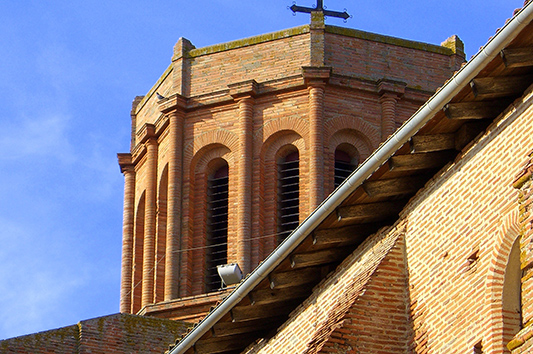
x: 237, y: 143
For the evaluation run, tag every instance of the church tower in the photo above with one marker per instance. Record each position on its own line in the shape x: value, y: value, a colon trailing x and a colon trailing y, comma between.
x: 237, y: 143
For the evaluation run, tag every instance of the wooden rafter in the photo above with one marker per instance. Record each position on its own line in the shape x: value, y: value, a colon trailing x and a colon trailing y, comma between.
x: 295, y: 277
x: 394, y: 186
x: 517, y: 57
x: 310, y: 259
x: 430, y: 143
x: 345, y: 235
x: 424, y: 161
x: 370, y: 212
x: 475, y: 109
x: 267, y: 296
x: 501, y: 86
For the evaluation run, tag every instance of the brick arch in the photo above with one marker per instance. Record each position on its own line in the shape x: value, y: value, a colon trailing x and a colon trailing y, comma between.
x: 506, y: 235
x: 349, y: 136
x: 278, y: 140
x: 209, y: 138
x: 367, y: 132
x: 202, y: 158
x: 276, y: 126
x: 354, y: 138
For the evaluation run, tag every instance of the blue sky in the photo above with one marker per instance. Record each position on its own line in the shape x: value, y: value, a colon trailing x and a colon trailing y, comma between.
x: 69, y: 71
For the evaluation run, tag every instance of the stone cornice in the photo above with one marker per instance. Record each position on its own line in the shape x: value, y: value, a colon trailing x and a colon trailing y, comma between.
x: 235, y: 91
x: 146, y: 132
x: 316, y: 74
x: 248, y: 88
x: 176, y: 101
x: 391, y: 86
x: 125, y: 162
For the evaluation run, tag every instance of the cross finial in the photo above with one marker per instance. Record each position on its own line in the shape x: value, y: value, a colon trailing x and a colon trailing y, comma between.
x: 320, y: 8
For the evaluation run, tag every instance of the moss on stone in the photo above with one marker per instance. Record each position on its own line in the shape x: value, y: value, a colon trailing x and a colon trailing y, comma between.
x: 349, y: 32
x: 154, y: 89
x: 249, y: 41
x: 38, y: 340
x: 455, y: 44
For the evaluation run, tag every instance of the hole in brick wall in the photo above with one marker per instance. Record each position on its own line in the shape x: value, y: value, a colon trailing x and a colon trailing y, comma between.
x: 478, y: 348
x: 473, y: 257
x: 471, y: 261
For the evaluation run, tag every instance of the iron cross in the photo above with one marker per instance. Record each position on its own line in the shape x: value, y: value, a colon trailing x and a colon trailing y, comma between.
x: 319, y: 7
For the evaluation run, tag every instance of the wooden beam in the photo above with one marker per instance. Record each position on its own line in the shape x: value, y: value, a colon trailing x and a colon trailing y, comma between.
x: 475, y: 109
x: 345, y: 235
x: 394, y: 186
x: 517, y: 57
x: 267, y: 296
x: 222, y: 329
x: 501, y: 86
x: 224, y: 344
x: 468, y: 132
x: 430, y: 143
x: 326, y: 256
x: 253, y: 312
x: 295, y: 277
x: 370, y: 212
x: 424, y: 161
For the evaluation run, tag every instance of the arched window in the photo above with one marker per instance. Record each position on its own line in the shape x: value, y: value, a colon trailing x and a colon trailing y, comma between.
x: 161, y: 238
x: 288, y: 193
x: 217, y: 225
x: 138, y: 255
x: 346, y: 160
x: 511, y: 297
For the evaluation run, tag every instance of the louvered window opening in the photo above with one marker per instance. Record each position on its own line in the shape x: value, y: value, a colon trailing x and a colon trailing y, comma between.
x: 343, y: 167
x: 288, y: 195
x: 217, y: 227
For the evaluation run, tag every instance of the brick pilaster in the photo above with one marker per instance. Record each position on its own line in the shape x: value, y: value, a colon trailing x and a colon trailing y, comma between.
x: 174, y: 108
x: 243, y: 93
x: 127, y: 168
x: 150, y: 218
x: 181, y: 64
x: 316, y: 79
x: 390, y: 93
x: 175, y: 178
x: 523, y: 340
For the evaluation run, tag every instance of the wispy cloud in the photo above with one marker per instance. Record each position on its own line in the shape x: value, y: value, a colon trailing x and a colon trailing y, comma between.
x: 34, y: 289
x: 36, y: 136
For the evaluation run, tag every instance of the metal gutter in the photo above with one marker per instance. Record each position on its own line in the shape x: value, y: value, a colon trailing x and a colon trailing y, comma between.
x: 378, y: 157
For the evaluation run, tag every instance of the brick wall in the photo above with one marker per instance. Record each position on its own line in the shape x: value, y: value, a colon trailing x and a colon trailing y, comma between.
x: 114, y: 334
x: 342, y: 316
x: 461, y: 230
x: 523, y: 341
x: 59, y: 341
x: 374, y: 57
x: 384, y: 328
